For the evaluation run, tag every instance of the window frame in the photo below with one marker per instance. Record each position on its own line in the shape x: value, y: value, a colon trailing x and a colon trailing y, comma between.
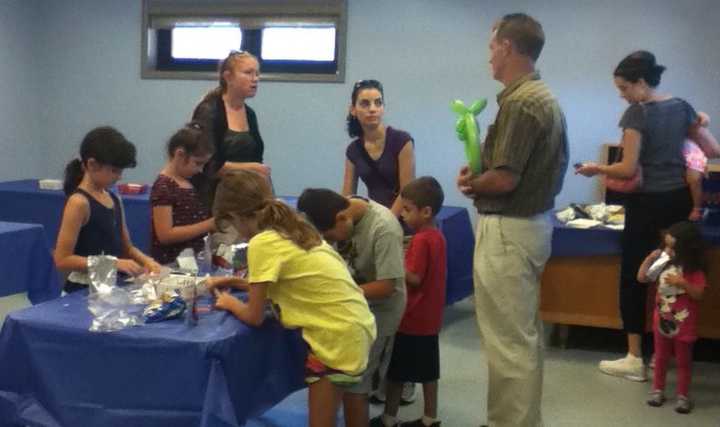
x: 158, y: 16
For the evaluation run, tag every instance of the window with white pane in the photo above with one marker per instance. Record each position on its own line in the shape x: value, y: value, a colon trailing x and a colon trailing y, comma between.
x: 205, y: 41
x: 297, y: 40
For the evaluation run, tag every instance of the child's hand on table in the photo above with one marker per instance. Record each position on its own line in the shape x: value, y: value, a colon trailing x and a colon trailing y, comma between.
x: 225, y: 301
x: 129, y: 267
x: 212, y: 283
x: 152, y: 267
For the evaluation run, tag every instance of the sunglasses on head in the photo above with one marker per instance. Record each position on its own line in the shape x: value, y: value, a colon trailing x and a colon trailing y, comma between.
x: 367, y: 83
x: 235, y: 53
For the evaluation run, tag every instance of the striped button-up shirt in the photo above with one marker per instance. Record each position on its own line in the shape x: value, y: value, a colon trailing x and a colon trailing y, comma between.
x: 528, y: 138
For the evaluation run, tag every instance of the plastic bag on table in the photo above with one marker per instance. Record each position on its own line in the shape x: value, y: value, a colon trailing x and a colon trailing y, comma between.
x: 113, y: 308
x: 565, y: 215
x: 204, y: 257
x: 102, y: 272
x: 187, y: 262
x: 167, y: 282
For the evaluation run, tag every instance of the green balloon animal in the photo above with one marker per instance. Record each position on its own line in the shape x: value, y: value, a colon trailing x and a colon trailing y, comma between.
x: 466, y: 129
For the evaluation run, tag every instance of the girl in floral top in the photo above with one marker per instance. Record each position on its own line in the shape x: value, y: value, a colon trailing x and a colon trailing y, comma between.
x: 180, y: 219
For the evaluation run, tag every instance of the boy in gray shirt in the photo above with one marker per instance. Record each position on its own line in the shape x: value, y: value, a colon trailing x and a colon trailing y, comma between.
x: 370, y: 239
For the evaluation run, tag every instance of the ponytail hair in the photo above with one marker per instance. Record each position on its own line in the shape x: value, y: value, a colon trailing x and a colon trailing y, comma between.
x: 353, y: 126
x: 192, y: 139
x: 107, y: 146
x: 247, y: 194
x: 73, y: 176
x: 640, y: 65
x: 283, y: 219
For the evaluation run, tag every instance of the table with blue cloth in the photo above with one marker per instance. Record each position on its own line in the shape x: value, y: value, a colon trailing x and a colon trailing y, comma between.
x: 54, y: 372
x: 454, y: 223
x: 25, y: 201
x: 25, y: 263
x: 580, y: 282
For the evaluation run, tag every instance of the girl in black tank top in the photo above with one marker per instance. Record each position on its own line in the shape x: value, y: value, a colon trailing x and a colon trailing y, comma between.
x: 102, y: 233
x: 89, y: 227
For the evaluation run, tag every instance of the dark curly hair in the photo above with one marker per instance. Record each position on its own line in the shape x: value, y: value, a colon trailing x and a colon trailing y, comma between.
x: 689, y: 246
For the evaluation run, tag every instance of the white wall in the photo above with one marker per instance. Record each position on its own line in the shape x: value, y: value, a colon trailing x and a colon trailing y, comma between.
x: 21, y: 144
x: 426, y: 53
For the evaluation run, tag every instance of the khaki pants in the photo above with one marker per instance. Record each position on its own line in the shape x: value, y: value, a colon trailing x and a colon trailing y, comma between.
x: 510, y: 255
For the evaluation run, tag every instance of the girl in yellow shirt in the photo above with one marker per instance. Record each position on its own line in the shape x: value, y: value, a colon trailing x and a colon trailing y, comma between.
x: 308, y: 285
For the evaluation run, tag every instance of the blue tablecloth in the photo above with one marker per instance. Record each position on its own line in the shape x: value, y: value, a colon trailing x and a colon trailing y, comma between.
x: 569, y: 241
x: 24, y: 201
x: 54, y: 372
x: 455, y: 225
x: 25, y: 263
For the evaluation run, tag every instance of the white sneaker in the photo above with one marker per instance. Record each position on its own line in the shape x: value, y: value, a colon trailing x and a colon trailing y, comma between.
x: 629, y: 367
x: 408, y: 394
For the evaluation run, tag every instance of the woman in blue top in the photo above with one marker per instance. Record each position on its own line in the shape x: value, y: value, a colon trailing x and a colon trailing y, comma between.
x: 383, y: 157
x: 654, y: 126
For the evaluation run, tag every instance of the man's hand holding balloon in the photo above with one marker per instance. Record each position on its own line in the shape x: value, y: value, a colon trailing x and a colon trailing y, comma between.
x: 466, y: 129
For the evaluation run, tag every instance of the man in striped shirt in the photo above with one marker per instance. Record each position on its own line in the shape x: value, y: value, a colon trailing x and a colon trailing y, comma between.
x: 524, y: 160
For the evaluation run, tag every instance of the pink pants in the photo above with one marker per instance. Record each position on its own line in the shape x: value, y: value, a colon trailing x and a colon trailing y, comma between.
x: 664, y: 347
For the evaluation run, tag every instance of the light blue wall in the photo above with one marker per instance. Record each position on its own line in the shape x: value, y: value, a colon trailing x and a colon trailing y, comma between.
x: 21, y: 145
x: 426, y: 52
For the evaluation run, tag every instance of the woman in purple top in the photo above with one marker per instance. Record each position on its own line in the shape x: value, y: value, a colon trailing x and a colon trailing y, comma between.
x: 383, y: 157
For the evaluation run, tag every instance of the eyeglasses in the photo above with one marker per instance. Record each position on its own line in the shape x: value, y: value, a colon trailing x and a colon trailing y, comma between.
x: 360, y: 84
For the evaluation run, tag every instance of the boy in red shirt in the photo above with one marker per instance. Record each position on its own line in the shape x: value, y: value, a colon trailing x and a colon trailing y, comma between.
x: 416, y: 352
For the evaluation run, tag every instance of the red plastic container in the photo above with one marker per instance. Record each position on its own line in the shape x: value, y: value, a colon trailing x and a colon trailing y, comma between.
x: 130, y: 188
